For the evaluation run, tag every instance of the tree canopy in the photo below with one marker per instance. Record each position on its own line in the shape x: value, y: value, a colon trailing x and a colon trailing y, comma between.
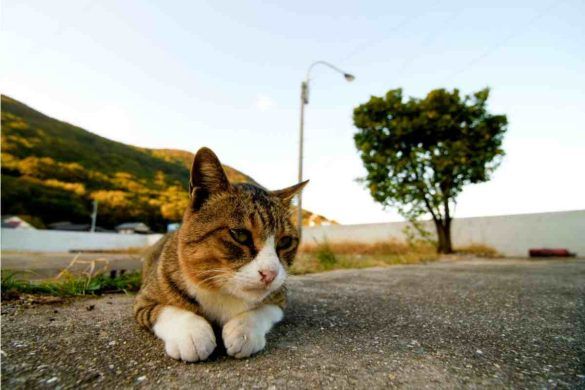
x: 420, y: 153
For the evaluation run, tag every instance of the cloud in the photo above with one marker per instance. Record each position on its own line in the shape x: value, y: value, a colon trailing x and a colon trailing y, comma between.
x: 264, y: 103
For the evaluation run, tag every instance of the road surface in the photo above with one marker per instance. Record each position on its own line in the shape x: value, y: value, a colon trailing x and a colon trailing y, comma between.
x: 481, y: 323
x: 48, y: 265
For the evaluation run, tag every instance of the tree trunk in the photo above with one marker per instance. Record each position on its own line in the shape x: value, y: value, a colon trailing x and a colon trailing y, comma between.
x: 444, y: 236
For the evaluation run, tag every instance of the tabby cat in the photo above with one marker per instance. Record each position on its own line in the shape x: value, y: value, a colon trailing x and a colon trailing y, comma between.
x: 226, y: 266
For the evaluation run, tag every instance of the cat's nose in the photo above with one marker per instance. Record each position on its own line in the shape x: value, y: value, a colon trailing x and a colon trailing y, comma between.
x: 267, y: 276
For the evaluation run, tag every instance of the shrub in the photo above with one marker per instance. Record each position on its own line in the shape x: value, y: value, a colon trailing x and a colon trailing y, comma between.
x: 325, y: 255
x: 479, y: 250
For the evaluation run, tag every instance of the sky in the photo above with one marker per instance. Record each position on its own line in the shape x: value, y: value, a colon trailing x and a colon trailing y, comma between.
x: 227, y: 74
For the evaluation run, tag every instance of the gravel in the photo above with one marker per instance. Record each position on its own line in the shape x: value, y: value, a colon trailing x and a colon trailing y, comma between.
x: 476, y: 323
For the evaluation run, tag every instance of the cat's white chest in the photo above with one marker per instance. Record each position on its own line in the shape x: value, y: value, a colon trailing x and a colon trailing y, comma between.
x: 217, y: 306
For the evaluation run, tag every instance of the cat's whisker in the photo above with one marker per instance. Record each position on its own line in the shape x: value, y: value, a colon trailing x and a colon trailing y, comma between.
x: 221, y: 278
x: 210, y: 275
x: 248, y: 280
x: 216, y: 270
x: 216, y: 277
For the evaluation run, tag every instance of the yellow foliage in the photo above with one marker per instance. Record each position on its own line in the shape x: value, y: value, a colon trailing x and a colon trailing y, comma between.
x: 160, y: 179
x: 24, y: 142
x: 112, y: 198
x: 174, y: 201
x: 18, y: 124
x: 77, y: 188
x: 128, y: 182
x: 9, y: 161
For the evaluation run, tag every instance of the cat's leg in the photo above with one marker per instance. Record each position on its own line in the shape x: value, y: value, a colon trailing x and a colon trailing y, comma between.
x: 245, y: 334
x: 146, y: 311
x: 186, y: 335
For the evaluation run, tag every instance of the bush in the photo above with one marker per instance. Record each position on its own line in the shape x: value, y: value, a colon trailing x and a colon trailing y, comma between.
x: 325, y: 255
x: 479, y: 250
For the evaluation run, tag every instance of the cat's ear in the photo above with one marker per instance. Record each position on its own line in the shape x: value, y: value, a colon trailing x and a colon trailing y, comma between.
x: 207, y: 177
x: 287, y: 194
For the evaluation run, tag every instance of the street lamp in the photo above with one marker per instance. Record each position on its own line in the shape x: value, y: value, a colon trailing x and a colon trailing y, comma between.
x: 304, y: 101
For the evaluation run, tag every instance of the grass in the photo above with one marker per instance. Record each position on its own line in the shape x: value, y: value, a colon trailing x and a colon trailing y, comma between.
x: 327, y: 256
x: 318, y: 257
x: 138, y: 250
x: 69, y: 285
x: 479, y: 250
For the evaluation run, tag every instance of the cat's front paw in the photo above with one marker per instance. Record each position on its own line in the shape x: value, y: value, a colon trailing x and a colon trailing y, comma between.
x: 186, y: 335
x: 242, y: 336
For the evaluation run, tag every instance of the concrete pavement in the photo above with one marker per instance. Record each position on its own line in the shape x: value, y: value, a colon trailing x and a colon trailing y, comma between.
x: 47, y: 265
x: 480, y: 323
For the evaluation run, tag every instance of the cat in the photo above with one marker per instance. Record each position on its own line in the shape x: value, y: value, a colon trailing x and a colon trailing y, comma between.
x: 225, y: 265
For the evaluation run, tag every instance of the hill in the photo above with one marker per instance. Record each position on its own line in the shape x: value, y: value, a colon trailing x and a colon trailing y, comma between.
x: 52, y: 171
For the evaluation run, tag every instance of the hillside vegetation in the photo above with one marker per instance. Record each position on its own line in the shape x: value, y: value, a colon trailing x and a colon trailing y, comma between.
x: 52, y: 171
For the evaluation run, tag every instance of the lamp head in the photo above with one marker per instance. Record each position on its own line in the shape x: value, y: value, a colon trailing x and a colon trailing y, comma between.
x: 349, y: 77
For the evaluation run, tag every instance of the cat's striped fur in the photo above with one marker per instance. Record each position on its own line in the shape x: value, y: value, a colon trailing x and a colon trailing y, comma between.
x: 225, y: 265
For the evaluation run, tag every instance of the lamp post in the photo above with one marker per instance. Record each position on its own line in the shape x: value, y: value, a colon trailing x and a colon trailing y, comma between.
x: 94, y: 216
x: 305, y: 101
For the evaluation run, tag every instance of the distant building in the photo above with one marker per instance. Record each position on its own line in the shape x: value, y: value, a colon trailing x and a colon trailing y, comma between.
x: 14, y: 222
x: 69, y: 227
x: 133, y: 227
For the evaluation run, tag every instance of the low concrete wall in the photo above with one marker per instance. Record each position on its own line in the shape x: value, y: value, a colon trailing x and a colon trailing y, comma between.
x: 58, y: 241
x: 511, y: 235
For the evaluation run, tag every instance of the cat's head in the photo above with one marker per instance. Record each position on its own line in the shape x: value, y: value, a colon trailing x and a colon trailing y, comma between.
x: 237, y: 238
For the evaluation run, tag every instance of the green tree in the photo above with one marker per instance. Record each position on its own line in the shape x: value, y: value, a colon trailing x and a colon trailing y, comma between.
x: 420, y: 153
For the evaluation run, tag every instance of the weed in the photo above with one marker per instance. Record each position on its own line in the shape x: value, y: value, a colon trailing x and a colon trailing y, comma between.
x: 479, y: 250
x: 325, y: 255
x: 68, y: 285
x: 317, y: 257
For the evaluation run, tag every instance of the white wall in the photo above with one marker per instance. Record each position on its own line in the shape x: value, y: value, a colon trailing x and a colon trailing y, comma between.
x: 511, y: 235
x: 59, y: 241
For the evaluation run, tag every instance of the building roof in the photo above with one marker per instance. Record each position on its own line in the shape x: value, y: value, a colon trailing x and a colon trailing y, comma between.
x: 136, y: 226
x: 15, y: 222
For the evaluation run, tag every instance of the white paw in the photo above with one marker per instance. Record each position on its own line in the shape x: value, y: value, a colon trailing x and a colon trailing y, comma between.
x: 186, y: 335
x: 243, y: 337
x: 245, y: 334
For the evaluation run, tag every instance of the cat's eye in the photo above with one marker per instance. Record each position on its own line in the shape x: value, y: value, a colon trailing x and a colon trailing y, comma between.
x: 242, y: 236
x: 285, y: 242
